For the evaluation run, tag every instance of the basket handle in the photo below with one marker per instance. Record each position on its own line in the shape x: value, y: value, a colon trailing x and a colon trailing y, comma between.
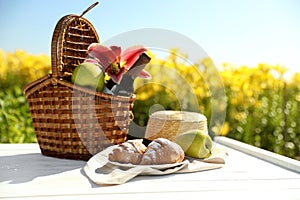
x: 89, y: 8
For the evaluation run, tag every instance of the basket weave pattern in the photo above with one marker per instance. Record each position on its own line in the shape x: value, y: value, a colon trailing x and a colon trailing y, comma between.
x: 71, y: 121
x: 71, y: 38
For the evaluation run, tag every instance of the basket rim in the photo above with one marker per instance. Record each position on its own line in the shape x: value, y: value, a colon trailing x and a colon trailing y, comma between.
x: 27, y: 88
x: 49, y: 79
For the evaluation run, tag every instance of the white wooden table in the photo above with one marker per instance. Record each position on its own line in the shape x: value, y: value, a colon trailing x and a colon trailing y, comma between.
x: 26, y: 174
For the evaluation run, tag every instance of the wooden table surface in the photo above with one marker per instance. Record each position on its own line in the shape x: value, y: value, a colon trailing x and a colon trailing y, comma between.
x: 249, y: 173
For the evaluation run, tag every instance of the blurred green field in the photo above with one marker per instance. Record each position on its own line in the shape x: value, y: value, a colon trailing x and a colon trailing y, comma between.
x: 262, y: 107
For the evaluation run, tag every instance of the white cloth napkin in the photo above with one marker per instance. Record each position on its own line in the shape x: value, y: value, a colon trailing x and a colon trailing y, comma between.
x: 103, y: 172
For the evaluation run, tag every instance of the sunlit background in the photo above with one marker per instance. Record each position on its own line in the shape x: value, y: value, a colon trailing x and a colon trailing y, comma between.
x: 254, y: 43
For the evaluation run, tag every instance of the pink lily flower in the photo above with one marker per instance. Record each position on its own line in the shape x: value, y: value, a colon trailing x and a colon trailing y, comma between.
x: 115, y: 62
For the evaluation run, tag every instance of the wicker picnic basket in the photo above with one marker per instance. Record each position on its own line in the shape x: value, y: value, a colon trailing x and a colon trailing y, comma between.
x: 70, y: 121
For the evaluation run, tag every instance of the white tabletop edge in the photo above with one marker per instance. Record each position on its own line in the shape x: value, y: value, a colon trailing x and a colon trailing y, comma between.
x: 279, y: 160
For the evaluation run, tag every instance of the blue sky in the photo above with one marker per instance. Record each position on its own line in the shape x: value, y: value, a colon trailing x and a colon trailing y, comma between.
x: 237, y: 31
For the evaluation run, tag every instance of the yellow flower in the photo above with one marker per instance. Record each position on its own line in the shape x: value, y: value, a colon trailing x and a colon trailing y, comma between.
x: 225, y: 129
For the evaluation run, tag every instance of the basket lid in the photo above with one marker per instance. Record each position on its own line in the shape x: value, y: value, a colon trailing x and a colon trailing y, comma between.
x: 71, y: 38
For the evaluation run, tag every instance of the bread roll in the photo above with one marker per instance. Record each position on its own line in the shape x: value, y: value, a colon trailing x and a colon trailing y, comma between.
x: 162, y: 151
x: 128, y: 152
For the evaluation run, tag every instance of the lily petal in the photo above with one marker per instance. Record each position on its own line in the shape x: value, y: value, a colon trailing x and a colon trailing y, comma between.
x: 95, y: 62
x: 91, y: 60
x: 116, y: 50
x: 144, y: 74
x: 131, y: 55
x: 103, y: 54
x: 117, y: 77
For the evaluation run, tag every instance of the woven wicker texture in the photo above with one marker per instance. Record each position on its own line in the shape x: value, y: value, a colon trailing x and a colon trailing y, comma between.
x: 71, y: 121
x: 169, y: 124
x: 71, y: 38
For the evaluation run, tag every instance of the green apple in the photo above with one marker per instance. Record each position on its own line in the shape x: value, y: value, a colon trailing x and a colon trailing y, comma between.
x: 195, y: 143
x: 88, y: 75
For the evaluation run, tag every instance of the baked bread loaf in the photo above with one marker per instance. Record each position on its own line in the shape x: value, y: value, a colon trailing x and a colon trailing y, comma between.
x: 159, y: 151
x: 162, y: 151
x: 128, y: 152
